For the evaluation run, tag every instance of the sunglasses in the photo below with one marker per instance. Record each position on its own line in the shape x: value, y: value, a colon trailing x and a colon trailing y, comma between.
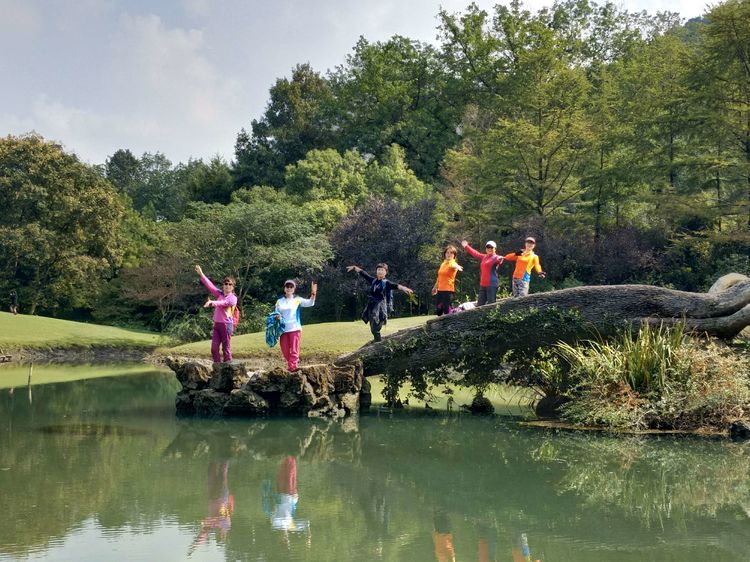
x: 289, y: 286
x: 228, y: 284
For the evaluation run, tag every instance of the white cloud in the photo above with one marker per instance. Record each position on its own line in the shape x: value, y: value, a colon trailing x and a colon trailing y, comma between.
x: 20, y: 20
x: 197, y: 8
x: 184, y: 79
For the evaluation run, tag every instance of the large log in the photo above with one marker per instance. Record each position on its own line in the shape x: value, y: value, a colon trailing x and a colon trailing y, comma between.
x: 479, y: 338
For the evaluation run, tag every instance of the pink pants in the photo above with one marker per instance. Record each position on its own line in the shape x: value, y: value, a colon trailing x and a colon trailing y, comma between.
x: 221, y: 337
x: 289, y: 344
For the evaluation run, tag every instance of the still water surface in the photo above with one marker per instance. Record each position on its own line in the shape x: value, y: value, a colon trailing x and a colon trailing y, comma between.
x: 101, y: 469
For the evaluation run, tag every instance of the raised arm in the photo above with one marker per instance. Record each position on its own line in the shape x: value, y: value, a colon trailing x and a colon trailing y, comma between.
x: 207, y: 283
x: 361, y: 272
x: 313, y: 294
x: 471, y: 251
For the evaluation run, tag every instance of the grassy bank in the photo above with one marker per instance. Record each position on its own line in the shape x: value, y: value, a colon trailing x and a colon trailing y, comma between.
x: 13, y: 375
x: 328, y: 339
x: 36, y: 332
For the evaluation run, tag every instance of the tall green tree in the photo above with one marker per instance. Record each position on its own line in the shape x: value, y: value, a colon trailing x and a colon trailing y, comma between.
x: 397, y: 92
x: 60, y: 225
x: 725, y: 63
x: 295, y: 121
x: 207, y: 182
x: 527, y: 144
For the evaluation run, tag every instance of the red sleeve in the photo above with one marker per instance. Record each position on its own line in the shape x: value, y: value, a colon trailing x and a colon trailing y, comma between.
x: 473, y: 253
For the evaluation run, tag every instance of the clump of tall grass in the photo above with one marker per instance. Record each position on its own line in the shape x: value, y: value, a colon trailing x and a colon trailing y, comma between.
x: 654, y: 377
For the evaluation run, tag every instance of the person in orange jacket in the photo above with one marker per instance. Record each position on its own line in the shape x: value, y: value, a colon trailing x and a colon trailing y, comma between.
x: 526, y: 260
x: 445, y: 284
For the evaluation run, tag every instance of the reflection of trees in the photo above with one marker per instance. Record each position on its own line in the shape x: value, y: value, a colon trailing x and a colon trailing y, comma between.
x: 59, y: 470
x: 654, y: 479
x: 369, y: 487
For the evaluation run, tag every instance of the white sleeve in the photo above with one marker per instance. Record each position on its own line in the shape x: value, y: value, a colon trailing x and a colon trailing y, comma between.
x: 306, y: 302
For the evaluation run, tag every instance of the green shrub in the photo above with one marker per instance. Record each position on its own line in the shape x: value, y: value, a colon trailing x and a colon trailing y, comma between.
x: 655, y: 378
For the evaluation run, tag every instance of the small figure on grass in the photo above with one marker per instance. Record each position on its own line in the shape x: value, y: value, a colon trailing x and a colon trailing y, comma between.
x: 14, y: 302
x: 379, y: 297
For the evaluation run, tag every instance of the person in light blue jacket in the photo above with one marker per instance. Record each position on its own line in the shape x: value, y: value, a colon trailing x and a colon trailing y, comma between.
x: 288, y: 308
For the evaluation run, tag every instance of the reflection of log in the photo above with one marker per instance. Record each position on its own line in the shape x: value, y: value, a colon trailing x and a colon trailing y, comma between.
x: 480, y: 337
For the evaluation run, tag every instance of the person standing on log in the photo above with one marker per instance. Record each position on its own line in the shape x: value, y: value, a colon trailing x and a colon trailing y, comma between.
x: 379, y: 298
x: 445, y: 284
x: 287, y: 308
x: 488, y: 280
x: 526, y: 260
x: 224, y: 307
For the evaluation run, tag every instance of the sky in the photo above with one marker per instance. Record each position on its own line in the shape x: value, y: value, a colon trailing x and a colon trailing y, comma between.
x: 182, y: 77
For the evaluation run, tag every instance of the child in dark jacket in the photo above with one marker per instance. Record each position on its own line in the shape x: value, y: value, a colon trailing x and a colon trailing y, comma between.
x: 380, y: 297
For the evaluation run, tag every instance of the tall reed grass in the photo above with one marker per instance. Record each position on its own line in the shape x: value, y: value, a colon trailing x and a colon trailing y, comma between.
x: 647, y: 360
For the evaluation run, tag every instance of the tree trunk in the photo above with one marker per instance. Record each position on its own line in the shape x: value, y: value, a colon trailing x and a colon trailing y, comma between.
x: 479, y: 338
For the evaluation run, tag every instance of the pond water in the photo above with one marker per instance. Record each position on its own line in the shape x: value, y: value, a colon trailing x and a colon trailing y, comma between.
x: 101, y: 469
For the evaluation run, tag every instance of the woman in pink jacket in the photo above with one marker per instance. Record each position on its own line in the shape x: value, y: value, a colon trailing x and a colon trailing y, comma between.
x: 224, y: 305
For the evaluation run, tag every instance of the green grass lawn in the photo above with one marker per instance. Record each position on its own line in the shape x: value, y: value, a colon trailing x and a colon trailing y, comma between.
x: 328, y: 339
x: 13, y: 375
x: 26, y: 332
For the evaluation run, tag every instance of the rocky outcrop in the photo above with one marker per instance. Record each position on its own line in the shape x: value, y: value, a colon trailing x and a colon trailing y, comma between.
x: 227, y: 389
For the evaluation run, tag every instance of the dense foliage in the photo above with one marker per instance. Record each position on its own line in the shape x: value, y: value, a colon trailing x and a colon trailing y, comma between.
x: 620, y: 140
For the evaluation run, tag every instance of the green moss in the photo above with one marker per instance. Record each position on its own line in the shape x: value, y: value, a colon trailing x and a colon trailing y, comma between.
x: 480, y: 355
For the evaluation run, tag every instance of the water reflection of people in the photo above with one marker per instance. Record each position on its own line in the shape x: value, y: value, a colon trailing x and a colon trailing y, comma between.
x: 521, y: 551
x: 442, y: 536
x: 487, y: 545
x: 220, y: 505
x: 281, y: 508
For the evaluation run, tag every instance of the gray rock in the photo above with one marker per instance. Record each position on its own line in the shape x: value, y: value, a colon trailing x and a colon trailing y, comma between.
x: 227, y: 376
x: 365, y: 395
x: 209, y: 402
x: 316, y: 390
x: 347, y: 378
x: 184, y: 403
x: 725, y: 282
x: 191, y: 374
x: 740, y: 430
x: 350, y: 402
x: 244, y: 402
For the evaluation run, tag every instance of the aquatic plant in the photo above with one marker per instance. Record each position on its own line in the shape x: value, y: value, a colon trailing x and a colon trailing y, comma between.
x: 654, y: 377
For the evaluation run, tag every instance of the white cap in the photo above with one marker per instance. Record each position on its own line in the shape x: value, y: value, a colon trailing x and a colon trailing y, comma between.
x: 490, y: 243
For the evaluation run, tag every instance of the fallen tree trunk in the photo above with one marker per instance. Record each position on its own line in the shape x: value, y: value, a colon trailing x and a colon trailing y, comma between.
x: 478, y: 339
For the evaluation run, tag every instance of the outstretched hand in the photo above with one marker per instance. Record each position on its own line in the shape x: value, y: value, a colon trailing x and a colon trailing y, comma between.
x: 406, y: 290
x: 353, y: 268
x: 459, y: 267
x: 313, y: 289
x: 464, y: 243
x: 207, y: 304
x: 198, y: 270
